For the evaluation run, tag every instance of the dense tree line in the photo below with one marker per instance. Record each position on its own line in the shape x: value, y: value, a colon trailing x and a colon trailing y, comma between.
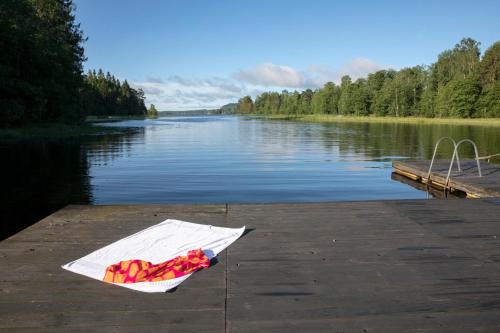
x: 104, y: 95
x: 460, y: 84
x: 41, y: 72
x: 40, y: 61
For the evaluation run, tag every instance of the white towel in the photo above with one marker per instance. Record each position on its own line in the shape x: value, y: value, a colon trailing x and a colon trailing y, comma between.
x: 158, y: 243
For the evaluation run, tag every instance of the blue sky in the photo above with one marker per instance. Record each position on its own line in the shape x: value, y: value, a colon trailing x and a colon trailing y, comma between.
x: 202, y: 54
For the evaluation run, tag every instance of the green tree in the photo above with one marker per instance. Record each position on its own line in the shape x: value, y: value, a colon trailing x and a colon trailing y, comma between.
x: 407, y: 88
x: 274, y: 103
x: 489, y: 102
x: 245, y: 105
x: 40, y: 62
x: 326, y: 100
x: 332, y: 95
x: 427, y: 107
x: 20, y: 93
x: 305, y: 101
x: 489, y: 68
x: 458, y: 63
x: 61, y: 40
x: 360, y: 98
x: 463, y: 97
x: 374, y: 85
x: 384, y: 100
x: 262, y: 104
x: 104, y: 95
x: 152, y: 112
x: 443, y: 101
x: 345, y: 100
x: 458, y: 98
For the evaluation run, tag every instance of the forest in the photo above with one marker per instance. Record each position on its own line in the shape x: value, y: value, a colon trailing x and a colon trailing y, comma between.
x: 104, y: 95
x: 42, y: 79
x: 460, y: 84
x: 41, y: 69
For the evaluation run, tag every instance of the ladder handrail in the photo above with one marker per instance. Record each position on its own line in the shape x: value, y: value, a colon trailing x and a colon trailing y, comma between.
x: 488, y: 157
x: 456, y: 145
x: 436, y: 146
x: 455, y: 153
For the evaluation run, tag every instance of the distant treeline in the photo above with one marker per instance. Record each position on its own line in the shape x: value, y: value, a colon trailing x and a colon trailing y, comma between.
x: 104, y: 95
x: 230, y: 108
x: 460, y: 84
x: 41, y: 72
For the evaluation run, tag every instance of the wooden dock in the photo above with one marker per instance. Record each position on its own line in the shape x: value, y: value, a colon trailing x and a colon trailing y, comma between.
x: 376, y: 266
x: 467, y: 181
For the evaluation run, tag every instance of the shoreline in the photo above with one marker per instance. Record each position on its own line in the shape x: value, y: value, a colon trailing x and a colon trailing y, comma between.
x: 56, y: 131
x: 111, y: 119
x: 325, y: 118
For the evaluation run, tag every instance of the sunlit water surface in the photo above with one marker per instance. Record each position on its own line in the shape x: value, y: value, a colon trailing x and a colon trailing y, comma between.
x: 233, y: 159
x: 219, y: 159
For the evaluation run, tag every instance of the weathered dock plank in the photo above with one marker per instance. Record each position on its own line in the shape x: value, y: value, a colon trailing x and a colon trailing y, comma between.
x: 467, y: 181
x: 376, y: 266
x: 38, y: 296
x: 385, y: 272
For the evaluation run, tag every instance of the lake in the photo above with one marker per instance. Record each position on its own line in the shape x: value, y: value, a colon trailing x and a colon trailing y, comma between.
x: 219, y: 159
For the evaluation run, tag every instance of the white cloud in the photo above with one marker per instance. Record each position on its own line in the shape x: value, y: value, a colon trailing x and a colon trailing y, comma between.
x: 359, y: 67
x: 356, y: 68
x: 177, y: 93
x: 150, y: 90
x: 272, y: 75
x: 154, y: 79
x: 180, y: 93
x: 269, y: 74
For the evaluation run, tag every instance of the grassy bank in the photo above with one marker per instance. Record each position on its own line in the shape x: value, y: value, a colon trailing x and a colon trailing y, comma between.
x: 326, y: 118
x: 107, y: 119
x: 54, y: 132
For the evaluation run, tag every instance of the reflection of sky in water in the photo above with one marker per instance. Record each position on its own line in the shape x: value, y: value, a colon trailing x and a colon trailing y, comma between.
x: 220, y: 159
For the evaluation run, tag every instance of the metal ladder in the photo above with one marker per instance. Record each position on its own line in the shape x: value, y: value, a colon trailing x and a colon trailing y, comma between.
x: 456, y: 145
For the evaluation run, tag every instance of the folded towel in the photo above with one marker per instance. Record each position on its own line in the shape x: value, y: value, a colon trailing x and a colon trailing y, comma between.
x: 133, y: 271
x: 157, y: 244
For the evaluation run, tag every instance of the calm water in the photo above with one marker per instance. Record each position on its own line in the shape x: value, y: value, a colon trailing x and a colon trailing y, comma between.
x: 218, y: 160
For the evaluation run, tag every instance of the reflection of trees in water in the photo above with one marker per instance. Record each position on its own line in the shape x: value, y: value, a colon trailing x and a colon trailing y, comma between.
x: 369, y: 140
x: 377, y: 140
x: 278, y: 138
x: 38, y: 178
x: 103, y: 149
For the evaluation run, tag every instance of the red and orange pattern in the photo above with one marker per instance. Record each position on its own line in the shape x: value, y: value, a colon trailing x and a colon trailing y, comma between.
x: 132, y: 271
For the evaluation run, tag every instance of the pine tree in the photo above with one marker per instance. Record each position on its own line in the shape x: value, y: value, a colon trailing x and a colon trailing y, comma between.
x: 41, y: 62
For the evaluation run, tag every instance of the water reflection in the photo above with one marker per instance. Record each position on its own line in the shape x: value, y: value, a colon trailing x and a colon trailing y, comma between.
x: 381, y: 140
x: 38, y: 178
x: 220, y: 159
x: 102, y: 150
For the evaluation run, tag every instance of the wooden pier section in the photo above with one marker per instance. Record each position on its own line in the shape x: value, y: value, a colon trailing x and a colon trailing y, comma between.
x: 467, y: 181
x: 375, y: 266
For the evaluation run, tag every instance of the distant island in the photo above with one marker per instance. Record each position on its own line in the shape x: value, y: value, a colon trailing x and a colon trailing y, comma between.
x: 230, y: 108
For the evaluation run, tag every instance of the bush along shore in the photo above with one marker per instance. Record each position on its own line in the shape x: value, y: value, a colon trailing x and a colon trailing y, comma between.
x: 329, y: 118
x: 57, y: 132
